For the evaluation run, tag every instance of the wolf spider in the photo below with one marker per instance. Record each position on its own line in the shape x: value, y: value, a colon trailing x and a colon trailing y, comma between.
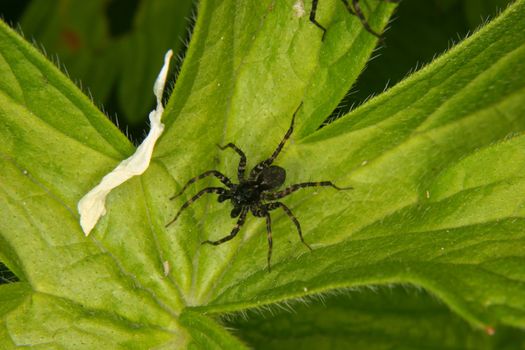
x: 255, y: 193
x: 353, y: 9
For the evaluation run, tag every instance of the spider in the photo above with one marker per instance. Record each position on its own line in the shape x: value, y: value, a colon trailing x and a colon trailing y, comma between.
x: 354, y: 9
x: 254, y: 193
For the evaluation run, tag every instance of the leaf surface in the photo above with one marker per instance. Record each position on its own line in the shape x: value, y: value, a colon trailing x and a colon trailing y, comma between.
x: 405, y: 221
x: 93, y: 41
x: 435, y: 163
x: 378, y: 318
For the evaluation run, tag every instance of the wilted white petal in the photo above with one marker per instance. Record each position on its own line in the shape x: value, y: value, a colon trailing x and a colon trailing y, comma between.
x: 92, y: 206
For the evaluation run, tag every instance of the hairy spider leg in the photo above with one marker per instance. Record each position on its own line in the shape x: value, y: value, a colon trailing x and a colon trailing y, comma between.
x: 270, y: 241
x: 266, y: 163
x: 242, y: 161
x: 313, y: 20
x: 293, y: 188
x: 355, y: 10
x: 234, y: 231
x: 276, y: 205
x: 218, y: 190
x: 215, y: 173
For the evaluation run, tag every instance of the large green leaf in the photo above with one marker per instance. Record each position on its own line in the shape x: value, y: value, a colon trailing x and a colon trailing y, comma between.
x: 378, y: 318
x: 78, y: 32
x: 405, y: 221
x: 435, y: 162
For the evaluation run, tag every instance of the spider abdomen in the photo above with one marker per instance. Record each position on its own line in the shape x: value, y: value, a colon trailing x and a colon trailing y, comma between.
x: 271, y: 177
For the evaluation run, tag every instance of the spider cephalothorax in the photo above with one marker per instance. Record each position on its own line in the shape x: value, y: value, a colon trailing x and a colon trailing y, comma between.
x: 254, y: 193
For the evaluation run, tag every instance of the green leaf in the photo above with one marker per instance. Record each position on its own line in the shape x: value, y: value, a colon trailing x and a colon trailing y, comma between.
x: 11, y: 296
x: 79, y: 34
x: 435, y: 162
x: 381, y: 318
x: 48, y: 321
x: 207, y: 334
x: 55, y: 145
x: 395, y: 151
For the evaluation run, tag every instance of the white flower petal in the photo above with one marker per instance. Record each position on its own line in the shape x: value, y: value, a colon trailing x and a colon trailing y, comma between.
x: 92, y: 206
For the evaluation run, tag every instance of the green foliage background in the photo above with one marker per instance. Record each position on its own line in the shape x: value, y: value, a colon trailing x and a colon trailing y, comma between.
x: 436, y: 163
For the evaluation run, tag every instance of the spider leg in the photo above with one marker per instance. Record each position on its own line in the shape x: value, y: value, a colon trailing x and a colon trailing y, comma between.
x: 234, y: 232
x: 313, y: 20
x: 215, y: 173
x: 348, y: 8
x: 275, y: 205
x: 242, y: 161
x: 270, y: 242
x: 266, y: 163
x: 355, y: 10
x: 359, y: 14
x: 218, y: 190
x: 293, y: 188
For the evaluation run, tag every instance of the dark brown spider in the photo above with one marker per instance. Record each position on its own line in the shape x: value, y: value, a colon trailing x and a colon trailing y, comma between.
x: 253, y: 193
x: 355, y: 10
